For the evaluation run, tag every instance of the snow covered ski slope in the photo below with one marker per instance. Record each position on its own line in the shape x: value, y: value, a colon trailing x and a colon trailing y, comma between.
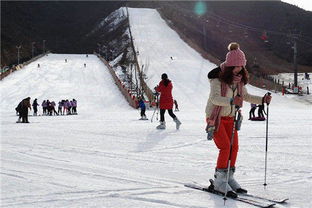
x: 106, y: 157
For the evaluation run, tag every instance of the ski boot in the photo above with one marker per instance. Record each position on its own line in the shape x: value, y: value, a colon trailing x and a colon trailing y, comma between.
x: 162, y: 125
x: 220, y: 184
x: 178, y: 123
x: 233, y: 183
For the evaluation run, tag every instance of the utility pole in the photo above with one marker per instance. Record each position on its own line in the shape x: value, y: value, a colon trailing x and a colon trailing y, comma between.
x: 43, y: 46
x: 99, y: 47
x: 295, y: 63
x: 18, y: 54
x: 32, y: 49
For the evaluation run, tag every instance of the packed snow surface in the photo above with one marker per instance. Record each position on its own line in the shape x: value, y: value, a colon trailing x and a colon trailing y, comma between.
x: 106, y: 157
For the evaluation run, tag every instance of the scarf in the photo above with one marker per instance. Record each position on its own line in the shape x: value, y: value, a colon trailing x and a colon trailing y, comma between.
x: 215, y: 118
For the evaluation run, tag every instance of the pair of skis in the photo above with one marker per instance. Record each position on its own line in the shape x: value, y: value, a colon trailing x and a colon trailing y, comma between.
x: 258, y: 201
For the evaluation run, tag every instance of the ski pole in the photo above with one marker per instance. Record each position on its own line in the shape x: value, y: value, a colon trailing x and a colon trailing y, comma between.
x: 156, y: 109
x: 153, y: 114
x: 231, y: 145
x: 266, y: 142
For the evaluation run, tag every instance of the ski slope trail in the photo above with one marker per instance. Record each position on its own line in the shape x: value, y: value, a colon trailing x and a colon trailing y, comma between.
x: 106, y: 157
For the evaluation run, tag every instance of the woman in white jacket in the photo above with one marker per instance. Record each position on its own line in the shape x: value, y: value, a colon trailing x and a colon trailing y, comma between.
x: 227, y: 93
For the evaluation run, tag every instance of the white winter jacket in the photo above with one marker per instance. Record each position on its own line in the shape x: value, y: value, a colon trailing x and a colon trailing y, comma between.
x: 215, y: 98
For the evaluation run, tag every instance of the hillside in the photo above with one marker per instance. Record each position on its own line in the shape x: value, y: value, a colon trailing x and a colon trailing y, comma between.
x: 66, y: 27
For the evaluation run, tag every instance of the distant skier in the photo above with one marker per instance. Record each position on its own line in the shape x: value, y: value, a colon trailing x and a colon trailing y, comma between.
x: 23, y: 110
x: 38, y: 65
x: 69, y: 107
x: 35, y: 104
x: 74, y: 106
x: 44, y: 107
x: 49, y: 108
x: 85, y: 65
x: 253, y: 107
x: 143, y: 108
x: 65, y: 60
x: 53, y: 104
x: 227, y: 90
x: 59, y: 107
x: 166, y: 101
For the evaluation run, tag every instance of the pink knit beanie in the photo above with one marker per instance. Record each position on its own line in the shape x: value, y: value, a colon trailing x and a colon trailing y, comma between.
x: 235, y: 57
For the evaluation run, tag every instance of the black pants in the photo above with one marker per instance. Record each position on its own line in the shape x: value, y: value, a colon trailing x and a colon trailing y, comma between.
x: 35, y: 110
x: 24, y: 115
x: 162, y: 114
x: 252, y: 112
x: 143, y: 112
x: 260, y: 113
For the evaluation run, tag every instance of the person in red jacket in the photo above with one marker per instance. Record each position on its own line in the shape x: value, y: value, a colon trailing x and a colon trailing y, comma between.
x: 166, y: 101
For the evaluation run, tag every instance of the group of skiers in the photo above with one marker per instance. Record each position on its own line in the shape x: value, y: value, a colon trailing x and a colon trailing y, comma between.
x: 261, y: 112
x: 65, y: 107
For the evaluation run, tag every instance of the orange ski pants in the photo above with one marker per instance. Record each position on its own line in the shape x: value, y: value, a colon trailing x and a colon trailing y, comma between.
x: 222, y: 139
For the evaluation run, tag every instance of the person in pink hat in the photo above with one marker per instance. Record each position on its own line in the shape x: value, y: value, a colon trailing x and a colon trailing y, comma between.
x: 227, y: 93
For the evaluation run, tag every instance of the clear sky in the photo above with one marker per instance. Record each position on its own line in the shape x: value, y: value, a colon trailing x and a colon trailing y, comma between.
x: 304, y: 4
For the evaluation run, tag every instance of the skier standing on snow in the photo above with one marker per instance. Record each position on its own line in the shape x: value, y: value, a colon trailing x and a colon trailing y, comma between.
x: 35, y: 104
x: 44, y: 107
x: 74, y: 104
x: 143, y: 108
x: 23, y: 110
x: 166, y: 101
x: 59, y: 108
x: 53, y: 104
x: 227, y: 91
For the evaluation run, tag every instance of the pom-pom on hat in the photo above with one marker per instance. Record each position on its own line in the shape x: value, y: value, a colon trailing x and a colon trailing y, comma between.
x: 235, y: 56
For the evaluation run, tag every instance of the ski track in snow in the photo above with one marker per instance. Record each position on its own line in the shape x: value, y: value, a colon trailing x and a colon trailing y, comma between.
x: 105, y: 157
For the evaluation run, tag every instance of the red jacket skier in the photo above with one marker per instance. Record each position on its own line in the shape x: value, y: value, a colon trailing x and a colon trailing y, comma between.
x: 166, y: 101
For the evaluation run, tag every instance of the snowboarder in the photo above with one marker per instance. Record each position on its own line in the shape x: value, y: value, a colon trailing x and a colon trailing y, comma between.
x: 35, y: 104
x: 227, y: 84
x: 143, y: 108
x: 166, y: 101
x: 23, y: 110
x: 253, y: 107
